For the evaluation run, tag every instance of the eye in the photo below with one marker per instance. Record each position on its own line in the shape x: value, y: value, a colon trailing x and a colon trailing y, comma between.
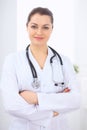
x: 46, y: 28
x: 34, y: 27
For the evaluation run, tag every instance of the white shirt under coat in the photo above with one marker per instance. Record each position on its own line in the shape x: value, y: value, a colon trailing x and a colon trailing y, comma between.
x: 17, y: 77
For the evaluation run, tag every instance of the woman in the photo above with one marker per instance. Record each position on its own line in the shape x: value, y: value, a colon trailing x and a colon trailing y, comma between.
x: 38, y: 85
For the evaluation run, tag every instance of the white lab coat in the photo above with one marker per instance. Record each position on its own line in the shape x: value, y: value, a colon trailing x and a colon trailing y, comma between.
x: 17, y: 77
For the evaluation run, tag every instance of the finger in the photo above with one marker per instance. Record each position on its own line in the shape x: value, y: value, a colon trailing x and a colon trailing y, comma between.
x: 55, y: 114
x: 66, y: 90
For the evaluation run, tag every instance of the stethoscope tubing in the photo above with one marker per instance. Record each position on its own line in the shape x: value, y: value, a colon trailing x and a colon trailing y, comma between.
x: 33, y: 70
x: 56, y: 53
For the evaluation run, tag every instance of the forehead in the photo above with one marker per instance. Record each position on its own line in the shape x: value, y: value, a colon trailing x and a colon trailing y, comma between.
x: 40, y: 19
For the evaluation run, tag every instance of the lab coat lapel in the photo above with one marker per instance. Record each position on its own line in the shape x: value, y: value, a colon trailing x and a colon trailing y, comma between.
x: 35, y: 62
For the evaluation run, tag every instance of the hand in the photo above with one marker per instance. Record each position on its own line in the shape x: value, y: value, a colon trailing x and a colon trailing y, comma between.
x: 29, y: 96
x: 55, y: 113
x: 66, y: 90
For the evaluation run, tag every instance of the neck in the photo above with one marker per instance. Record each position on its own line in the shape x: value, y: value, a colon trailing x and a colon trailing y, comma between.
x: 37, y: 49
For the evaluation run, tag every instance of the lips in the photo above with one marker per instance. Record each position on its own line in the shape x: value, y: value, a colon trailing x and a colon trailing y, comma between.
x: 38, y: 38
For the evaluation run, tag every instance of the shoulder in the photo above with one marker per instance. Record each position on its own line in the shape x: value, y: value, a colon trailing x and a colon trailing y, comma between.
x: 66, y: 59
x: 68, y: 64
x: 13, y: 58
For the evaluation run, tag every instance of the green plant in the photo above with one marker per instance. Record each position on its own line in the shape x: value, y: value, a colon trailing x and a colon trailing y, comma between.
x: 76, y: 68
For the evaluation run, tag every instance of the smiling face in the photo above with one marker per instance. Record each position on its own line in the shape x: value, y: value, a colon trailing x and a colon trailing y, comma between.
x: 39, y: 29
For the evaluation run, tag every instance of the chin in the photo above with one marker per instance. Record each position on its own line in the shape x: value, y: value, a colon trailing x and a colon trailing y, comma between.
x: 39, y: 43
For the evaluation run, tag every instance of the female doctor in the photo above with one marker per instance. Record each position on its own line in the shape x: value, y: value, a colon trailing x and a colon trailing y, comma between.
x: 38, y: 85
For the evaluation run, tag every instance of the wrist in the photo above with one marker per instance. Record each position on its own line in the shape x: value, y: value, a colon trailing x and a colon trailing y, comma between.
x: 36, y: 99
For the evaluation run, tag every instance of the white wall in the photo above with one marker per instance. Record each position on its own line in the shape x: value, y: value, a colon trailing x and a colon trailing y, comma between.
x: 80, y: 56
x: 81, y: 34
x: 8, y: 43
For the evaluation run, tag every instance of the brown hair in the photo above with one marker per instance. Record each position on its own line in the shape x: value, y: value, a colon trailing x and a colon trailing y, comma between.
x: 41, y: 11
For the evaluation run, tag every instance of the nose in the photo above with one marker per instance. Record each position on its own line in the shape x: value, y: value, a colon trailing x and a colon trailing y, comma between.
x: 39, y: 31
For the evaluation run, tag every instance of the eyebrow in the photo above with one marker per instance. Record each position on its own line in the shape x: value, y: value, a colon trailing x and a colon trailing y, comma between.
x: 43, y: 25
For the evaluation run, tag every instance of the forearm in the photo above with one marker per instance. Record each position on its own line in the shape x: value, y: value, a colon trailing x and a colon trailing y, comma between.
x: 61, y: 102
x: 29, y: 96
x: 32, y: 98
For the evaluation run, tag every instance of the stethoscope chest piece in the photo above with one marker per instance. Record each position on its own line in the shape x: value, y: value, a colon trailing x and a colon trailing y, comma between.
x: 36, y: 83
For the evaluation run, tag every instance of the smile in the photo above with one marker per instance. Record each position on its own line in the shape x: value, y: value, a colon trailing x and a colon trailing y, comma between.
x: 38, y: 38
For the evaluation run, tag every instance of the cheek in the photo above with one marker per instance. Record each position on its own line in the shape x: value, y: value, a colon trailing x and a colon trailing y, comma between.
x: 48, y: 35
x: 30, y: 33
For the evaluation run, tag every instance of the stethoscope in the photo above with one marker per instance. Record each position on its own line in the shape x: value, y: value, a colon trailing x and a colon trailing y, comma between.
x: 36, y: 82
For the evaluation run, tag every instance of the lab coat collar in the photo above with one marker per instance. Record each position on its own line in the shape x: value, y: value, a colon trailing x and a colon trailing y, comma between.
x: 50, y: 54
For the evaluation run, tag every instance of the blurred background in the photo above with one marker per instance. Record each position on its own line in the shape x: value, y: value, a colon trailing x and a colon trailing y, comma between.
x: 69, y: 37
